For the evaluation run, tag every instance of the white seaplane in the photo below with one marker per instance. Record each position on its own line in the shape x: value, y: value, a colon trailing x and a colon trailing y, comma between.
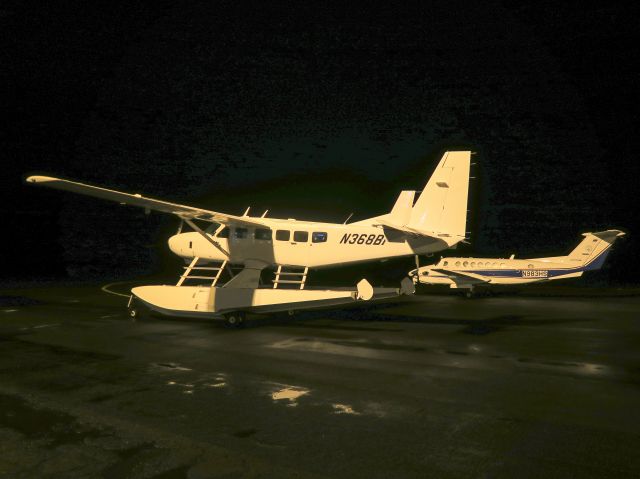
x: 435, y: 222
x: 467, y: 273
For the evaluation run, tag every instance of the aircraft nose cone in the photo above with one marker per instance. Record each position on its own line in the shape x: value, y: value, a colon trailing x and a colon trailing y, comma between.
x: 175, y: 244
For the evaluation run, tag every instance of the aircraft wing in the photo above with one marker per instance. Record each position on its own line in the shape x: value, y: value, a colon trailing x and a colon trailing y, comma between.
x: 467, y: 277
x: 183, y: 211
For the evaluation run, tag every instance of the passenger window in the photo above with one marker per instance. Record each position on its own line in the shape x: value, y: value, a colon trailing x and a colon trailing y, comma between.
x: 318, y: 237
x: 530, y: 266
x: 479, y: 264
x: 465, y: 264
x: 262, y: 234
x: 223, y: 233
x: 300, y: 236
x: 457, y: 263
x: 241, y: 232
x: 446, y: 263
x: 283, y: 235
x: 473, y: 265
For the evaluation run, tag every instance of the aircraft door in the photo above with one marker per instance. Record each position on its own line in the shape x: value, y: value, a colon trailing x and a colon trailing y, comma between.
x: 299, y: 251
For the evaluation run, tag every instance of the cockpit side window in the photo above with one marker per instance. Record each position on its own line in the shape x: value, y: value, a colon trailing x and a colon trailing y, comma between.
x: 283, y: 235
x: 263, y: 234
x: 300, y: 236
x: 318, y: 237
x: 241, y: 233
x: 223, y: 233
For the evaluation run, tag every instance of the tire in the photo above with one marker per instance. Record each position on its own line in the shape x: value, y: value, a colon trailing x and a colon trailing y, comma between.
x: 133, y: 313
x: 234, y: 320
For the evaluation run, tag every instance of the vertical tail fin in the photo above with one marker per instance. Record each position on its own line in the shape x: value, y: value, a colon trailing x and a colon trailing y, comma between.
x: 594, y: 248
x: 442, y: 206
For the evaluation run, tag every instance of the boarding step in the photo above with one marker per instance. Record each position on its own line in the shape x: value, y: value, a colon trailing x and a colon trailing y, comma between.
x: 193, y: 267
x: 208, y: 268
x: 290, y: 272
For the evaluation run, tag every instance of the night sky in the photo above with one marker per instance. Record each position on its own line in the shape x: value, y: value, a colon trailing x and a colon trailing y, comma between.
x: 313, y: 113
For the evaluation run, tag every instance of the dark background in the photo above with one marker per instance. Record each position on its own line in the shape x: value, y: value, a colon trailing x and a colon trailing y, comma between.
x: 313, y: 113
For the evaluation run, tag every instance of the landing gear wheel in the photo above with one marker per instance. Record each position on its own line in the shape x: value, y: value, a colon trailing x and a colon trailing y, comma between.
x: 234, y: 320
x: 132, y: 310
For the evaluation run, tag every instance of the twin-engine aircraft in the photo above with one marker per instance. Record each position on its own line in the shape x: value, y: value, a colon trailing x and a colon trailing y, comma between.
x: 436, y: 221
x: 466, y: 273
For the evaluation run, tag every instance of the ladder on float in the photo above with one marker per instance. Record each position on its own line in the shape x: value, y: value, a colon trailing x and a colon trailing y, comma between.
x: 215, y: 271
x: 293, y: 276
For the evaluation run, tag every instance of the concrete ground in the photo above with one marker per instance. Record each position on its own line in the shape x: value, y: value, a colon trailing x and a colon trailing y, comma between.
x: 429, y: 386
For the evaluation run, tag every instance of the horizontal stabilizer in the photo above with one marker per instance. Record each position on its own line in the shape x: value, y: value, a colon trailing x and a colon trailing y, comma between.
x: 382, y: 221
x: 401, y: 212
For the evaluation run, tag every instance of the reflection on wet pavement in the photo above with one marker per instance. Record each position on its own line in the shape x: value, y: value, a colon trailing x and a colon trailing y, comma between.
x: 288, y: 393
x: 458, y: 388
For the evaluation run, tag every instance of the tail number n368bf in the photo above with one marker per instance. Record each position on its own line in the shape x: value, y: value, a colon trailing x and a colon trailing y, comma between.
x: 369, y: 239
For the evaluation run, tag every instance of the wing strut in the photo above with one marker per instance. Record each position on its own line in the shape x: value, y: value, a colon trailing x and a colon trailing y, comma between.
x: 206, y: 236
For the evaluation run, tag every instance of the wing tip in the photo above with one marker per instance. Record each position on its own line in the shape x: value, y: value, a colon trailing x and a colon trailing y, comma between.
x: 40, y: 179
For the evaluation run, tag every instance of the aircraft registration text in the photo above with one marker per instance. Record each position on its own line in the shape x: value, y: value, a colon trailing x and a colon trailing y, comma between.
x: 531, y: 273
x: 364, y: 238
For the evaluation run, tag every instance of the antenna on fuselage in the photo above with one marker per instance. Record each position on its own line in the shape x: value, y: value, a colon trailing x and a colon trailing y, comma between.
x: 246, y: 212
x: 264, y: 214
x: 348, y: 218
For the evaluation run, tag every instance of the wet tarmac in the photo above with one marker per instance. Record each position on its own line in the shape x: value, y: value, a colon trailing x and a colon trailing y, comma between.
x: 432, y: 386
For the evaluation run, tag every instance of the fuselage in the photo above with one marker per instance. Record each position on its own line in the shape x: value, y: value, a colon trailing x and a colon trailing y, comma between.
x: 302, y: 243
x: 500, y: 270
